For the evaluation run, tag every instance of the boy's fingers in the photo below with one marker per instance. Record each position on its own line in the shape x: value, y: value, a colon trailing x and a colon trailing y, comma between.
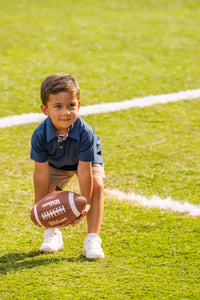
x: 84, y: 212
x: 86, y: 209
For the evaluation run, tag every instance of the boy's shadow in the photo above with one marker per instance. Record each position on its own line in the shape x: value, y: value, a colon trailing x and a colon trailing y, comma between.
x: 17, y: 261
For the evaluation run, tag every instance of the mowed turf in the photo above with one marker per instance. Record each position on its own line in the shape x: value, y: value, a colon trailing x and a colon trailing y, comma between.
x: 117, y: 50
x: 149, y: 253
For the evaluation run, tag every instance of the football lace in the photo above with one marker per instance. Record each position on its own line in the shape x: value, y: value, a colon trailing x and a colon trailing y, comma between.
x: 53, y: 212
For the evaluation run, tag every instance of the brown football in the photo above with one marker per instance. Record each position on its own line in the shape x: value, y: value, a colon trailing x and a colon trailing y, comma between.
x: 58, y: 209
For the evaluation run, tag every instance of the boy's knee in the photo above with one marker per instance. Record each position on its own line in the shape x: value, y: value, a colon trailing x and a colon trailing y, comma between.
x: 98, y: 183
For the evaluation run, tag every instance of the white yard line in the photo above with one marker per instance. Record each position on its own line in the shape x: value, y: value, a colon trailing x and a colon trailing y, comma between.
x: 154, y: 201
x: 106, y: 107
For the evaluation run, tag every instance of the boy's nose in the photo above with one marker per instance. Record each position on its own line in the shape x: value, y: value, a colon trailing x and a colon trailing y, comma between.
x: 66, y: 111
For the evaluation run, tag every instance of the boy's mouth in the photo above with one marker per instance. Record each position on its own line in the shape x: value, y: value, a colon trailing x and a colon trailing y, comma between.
x: 65, y: 120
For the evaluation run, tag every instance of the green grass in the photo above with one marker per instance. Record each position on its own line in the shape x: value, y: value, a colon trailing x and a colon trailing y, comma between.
x: 148, y: 254
x: 153, y: 150
x: 117, y: 50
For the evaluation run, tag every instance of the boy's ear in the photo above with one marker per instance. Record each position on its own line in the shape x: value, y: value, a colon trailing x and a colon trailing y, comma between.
x: 79, y: 104
x: 44, y: 109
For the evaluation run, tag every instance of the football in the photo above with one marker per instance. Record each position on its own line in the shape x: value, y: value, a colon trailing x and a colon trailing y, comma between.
x: 58, y: 209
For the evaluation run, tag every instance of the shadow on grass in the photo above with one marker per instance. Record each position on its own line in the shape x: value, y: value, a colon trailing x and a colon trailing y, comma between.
x: 12, y: 262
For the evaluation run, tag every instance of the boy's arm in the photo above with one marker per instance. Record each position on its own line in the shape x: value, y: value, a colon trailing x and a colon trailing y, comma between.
x: 40, y: 179
x: 85, y: 179
x: 85, y: 183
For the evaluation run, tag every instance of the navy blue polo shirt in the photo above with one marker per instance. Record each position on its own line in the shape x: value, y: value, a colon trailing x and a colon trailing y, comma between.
x: 81, y: 144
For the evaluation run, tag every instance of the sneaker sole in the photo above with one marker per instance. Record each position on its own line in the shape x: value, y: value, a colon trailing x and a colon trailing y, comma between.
x: 51, y: 250
x: 93, y: 258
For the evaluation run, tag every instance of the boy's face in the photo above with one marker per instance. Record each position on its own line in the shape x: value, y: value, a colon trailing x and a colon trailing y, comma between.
x: 62, y: 109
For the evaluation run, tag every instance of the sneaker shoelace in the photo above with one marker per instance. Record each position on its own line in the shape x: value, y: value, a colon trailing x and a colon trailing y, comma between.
x: 93, y: 243
x: 51, y: 235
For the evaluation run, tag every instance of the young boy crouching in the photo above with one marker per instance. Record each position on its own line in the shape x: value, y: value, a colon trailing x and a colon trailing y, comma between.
x: 64, y: 145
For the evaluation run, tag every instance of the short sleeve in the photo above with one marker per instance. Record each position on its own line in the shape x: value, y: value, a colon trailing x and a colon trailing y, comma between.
x: 38, y: 147
x: 86, y: 152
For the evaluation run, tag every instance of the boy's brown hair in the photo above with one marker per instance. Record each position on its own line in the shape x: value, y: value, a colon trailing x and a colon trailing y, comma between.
x: 59, y: 82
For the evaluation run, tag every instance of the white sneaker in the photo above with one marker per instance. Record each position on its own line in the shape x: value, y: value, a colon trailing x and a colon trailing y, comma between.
x: 92, y: 247
x: 53, y: 241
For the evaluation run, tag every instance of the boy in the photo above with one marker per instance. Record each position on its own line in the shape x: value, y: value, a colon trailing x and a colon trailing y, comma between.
x: 64, y: 145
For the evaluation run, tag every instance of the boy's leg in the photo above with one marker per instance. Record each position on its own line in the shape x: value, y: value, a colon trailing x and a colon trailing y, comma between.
x: 95, y: 215
x: 92, y: 243
x: 51, y: 188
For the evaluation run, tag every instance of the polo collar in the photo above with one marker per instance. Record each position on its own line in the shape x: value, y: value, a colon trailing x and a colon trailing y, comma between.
x: 74, y: 130
x: 51, y: 132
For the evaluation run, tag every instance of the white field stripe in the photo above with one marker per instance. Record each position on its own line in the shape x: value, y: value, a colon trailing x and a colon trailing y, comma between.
x: 21, y: 119
x: 156, y: 202
x: 116, y: 106
x: 106, y: 107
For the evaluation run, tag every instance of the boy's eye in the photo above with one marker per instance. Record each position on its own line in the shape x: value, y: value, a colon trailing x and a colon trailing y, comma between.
x: 72, y: 106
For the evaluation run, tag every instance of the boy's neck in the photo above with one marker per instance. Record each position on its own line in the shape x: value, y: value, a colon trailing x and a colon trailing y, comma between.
x: 62, y: 132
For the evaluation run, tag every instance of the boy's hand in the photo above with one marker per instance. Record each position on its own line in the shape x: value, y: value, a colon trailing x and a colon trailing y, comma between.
x: 84, y: 212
